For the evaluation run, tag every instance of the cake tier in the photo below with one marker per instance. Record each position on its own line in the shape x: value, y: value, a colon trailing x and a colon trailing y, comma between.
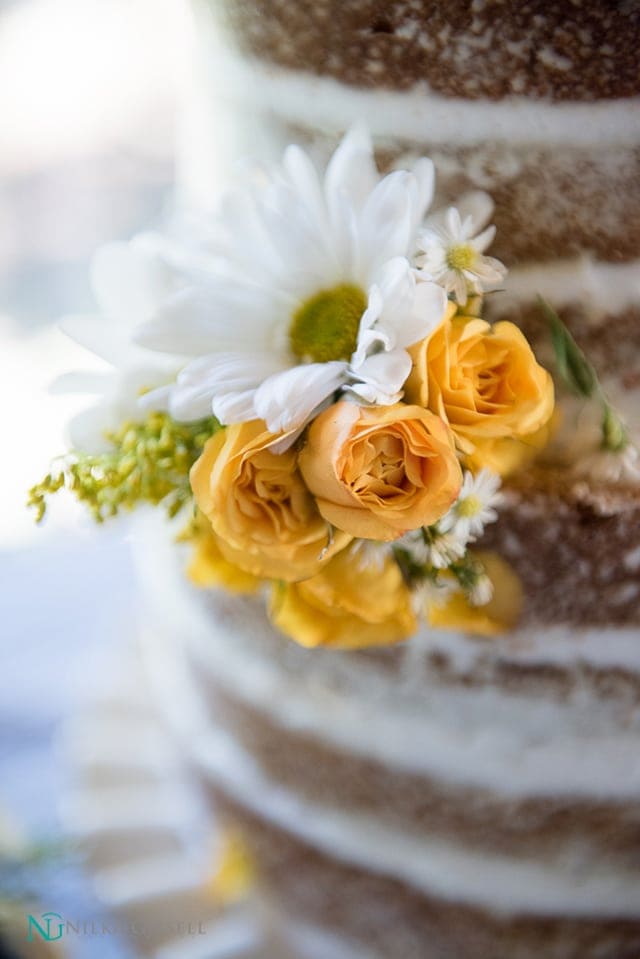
x: 448, y: 796
x: 575, y: 547
x: 564, y: 173
x: 475, y: 49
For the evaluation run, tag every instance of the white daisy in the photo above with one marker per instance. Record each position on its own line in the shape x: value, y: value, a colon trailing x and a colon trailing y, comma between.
x: 431, y: 593
x: 432, y: 547
x: 129, y: 280
x: 608, y: 466
x: 309, y: 291
x: 367, y: 553
x: 474, y: 508
x: 450, y: 250
x: 481, y: 592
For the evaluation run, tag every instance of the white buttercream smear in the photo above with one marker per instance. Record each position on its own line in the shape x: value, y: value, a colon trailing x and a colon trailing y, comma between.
x: 562, y: 885
x: 600, y: 288
x: 313, y: 942
x: 500, y: 884
x: 513, y: 744
x: 419, y: 115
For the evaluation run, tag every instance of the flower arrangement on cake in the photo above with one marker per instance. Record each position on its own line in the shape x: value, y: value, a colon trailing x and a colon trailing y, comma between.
x: 312, y: 376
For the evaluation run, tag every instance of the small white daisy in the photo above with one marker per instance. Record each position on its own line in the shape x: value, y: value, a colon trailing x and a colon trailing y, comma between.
x: 481, y: 592
x: 433, y: 592
x: 307, y: 290
x: 451, y: 251
x: 432, y: 547
x: 367, y: 553
x: 445, y: 549
x: 608, y: 466
x: 474, y: 508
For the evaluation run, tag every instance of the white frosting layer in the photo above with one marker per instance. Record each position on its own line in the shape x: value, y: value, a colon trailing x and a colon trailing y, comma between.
x: 515, y: 745
x: 562, y: 887
x: 599, y: 288
x: 312, y: 942
x: 420, y: 115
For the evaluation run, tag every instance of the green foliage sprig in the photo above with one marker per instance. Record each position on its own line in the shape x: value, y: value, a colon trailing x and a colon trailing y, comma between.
x: 581, y: 378
x: 149, y: 463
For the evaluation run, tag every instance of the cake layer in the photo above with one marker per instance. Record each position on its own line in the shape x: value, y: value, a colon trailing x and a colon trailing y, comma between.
x: 382, y: 916
x: 466, y: 48
x: 539, y: 886
x: 480, y: 818
x: 558, y: 828
x: 564, y: 703
x: 575, y: 547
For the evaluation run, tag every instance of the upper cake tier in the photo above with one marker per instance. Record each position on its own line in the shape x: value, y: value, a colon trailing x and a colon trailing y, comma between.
x: 571, y: 50
x: 535, y: 103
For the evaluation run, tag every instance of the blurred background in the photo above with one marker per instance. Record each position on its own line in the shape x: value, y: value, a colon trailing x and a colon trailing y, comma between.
x: 90, y: 94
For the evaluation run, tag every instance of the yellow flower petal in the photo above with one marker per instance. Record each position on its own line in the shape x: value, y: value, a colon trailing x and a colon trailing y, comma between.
x: 348, y: 605
x: 500, y: 614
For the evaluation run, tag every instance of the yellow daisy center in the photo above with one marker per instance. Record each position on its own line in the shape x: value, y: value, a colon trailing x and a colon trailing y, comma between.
x: 469, y: 506
x: 326, y: 326
x: 461, y: 257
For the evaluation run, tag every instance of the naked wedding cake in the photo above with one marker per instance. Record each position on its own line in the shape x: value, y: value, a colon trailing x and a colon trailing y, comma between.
x: 406, y: 614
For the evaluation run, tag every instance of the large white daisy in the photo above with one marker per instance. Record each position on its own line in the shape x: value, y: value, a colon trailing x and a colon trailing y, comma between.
x: 307, y: 290
x: 129, y: 280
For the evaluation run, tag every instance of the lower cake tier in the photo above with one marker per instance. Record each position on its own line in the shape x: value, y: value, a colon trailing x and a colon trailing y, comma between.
x: 446, y: 797
x: 360, y: 913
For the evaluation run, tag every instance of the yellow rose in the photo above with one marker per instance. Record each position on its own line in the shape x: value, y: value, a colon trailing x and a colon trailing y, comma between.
x: 265, y: 519
x: 497, y: 616
x: 485, y: 382
x: 379, y: 471
x: 348, y: 605
x: 209, y: 567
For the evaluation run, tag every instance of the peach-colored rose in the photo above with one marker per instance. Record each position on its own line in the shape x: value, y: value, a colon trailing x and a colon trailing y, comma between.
x: 485, y: 382
x: 349, y: 604
x: 264, y: 517
x: 379, y: 471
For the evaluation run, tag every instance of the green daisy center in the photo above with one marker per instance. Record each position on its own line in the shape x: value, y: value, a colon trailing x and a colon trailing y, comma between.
x: 461, y: 257
x: 326, y: 326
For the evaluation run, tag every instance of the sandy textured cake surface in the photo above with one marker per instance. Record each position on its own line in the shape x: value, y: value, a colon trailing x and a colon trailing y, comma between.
x: 491, y: 780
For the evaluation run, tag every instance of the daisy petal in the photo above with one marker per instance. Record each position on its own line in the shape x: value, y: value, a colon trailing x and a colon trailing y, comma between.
x: 381, y: 377
x: 429, y: 305
x: 205, y: 383
x: 203, y: 319
x: 490, y: 270
x: 478, y: 205
x: 352, y: 169
x: 385, y: 223
x: 158, y: 399
x: 235, y: 407
x: 304, y: 178
x: 424, y: 173
x: 286, y: 400
x: 99, y: 335
x: 397, y: 284
x: 129, y: 280
x: 483, y: 240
